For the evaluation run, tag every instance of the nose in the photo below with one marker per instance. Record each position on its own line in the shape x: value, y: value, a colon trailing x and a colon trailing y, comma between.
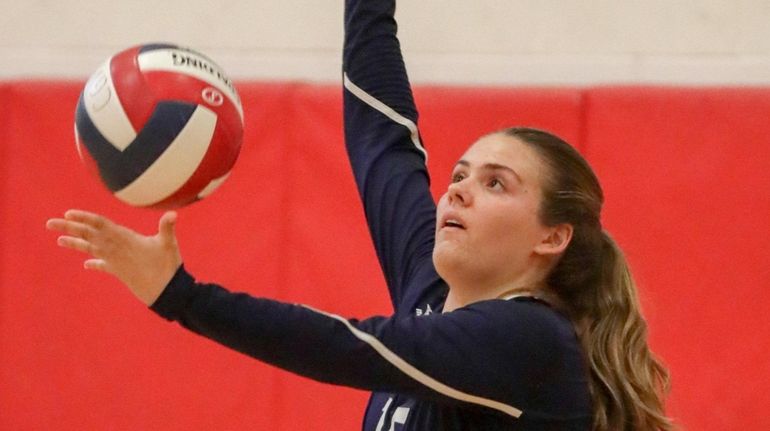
x: 458, y: 193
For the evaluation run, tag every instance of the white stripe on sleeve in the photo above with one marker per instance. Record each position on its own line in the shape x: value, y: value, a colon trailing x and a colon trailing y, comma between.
x: 388, y: 111
x: 418, y: 375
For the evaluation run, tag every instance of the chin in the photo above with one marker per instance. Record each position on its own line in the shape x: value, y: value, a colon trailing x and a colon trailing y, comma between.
x: 446, y: 260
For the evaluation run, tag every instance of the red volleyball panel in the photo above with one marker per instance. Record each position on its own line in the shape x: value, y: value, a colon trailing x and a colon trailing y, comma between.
x: 136, y: 97
x: 225, y: 143
x: 166, y: 85
x: 86, y: 157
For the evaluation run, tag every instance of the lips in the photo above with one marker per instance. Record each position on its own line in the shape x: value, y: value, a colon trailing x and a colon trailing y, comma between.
x: 452, y: 221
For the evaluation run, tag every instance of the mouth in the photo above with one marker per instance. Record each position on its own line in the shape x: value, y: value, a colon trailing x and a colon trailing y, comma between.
x: 452, y: 223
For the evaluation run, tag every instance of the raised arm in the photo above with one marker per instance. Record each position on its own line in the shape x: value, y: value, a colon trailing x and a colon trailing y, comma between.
x: 384, y: 146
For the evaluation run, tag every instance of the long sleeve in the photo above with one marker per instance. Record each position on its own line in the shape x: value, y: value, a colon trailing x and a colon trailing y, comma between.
x: 453, y: 358
x: 386, y: 152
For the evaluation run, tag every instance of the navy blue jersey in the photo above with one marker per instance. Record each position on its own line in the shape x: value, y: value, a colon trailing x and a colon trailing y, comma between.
x: 504, y: 364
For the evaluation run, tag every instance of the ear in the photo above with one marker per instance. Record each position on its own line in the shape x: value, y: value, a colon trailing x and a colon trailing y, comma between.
x: 556, y: 240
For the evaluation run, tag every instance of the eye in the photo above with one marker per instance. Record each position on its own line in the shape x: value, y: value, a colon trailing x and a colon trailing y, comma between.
x: 496, y: 184
x: 457, y: 177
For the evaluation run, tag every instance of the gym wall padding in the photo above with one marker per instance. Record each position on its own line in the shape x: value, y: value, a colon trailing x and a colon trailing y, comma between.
x: 685, y: 172
x: 687, y: 197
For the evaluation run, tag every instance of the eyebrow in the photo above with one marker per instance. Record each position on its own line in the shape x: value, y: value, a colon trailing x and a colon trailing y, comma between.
x: 491, y: 167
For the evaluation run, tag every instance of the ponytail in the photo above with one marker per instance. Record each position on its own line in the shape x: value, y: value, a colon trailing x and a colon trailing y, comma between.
x: 594, y: 285
x: 627, y: 381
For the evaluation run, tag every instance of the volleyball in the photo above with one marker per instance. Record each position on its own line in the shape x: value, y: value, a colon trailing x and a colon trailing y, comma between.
x: 160, y: 124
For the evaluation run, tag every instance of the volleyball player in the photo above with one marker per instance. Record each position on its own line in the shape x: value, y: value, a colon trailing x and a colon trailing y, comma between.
x: 513, y: 309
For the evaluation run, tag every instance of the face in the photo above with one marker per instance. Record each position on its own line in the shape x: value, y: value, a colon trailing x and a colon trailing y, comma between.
x: 487, y: 222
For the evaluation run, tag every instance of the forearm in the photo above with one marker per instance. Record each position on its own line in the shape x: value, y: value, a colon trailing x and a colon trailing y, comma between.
x: 384, y: 145
x: 439, y: 357
x: 292, y: 337
x: 372, y: 57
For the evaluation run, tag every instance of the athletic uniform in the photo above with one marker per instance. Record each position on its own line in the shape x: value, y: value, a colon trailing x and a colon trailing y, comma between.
x: 504, y: 364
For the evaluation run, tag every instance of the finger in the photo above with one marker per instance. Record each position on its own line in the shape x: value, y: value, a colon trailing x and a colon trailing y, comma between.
x: 56, y: 224
x: 92, y: 219
x: 167, y: 225
x: 71, y: 228
x: 73, y: 243
x: 97, y: 264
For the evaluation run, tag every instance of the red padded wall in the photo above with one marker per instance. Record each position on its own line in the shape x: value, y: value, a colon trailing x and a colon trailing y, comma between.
x: 77, y: 351
x: 5, y: 112
x: 685, y: 173
x: 687, y: 198
x: 330, y: 264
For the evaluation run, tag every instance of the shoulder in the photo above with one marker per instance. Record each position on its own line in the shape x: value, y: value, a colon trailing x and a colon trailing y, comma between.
x: 525, y: 346
x: 522, y: 309
x: 524, y: 321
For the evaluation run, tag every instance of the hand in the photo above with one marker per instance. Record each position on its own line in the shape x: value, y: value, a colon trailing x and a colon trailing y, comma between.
x: 143, y: 263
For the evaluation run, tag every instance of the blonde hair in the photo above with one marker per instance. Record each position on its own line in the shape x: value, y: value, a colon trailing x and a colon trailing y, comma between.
x: 593, y: 282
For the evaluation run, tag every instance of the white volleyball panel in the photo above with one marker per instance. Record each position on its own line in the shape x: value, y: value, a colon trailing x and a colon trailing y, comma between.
x: 176, y: 165
x: 105, y: 110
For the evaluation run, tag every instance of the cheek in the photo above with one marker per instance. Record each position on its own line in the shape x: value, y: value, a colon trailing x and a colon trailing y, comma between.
x: 500, y: 219
x: 514, y: 225
x: 442, y: 201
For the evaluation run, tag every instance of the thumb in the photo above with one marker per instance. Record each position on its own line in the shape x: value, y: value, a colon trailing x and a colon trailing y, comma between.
x: 167, y: 225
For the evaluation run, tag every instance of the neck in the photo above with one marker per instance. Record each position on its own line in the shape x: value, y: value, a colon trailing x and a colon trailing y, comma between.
x: 462, y: 294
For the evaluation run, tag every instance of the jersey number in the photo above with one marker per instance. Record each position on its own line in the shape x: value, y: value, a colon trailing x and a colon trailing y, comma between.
x: 399, y: 416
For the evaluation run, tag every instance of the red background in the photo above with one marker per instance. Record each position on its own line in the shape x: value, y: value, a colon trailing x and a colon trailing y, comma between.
x: 685, y: 171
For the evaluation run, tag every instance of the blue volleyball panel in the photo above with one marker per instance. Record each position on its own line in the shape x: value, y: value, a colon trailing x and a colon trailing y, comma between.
x: 120, y: 168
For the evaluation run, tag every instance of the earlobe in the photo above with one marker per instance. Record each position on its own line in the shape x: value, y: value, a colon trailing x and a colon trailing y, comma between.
x: 556, y: 241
